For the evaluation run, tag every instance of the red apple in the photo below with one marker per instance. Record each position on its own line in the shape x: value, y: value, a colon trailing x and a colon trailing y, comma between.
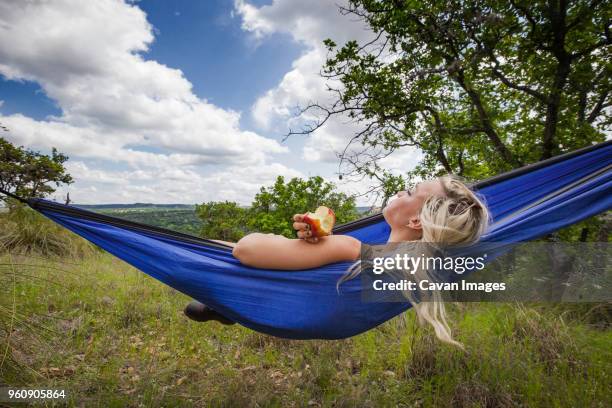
x: 321, y: 221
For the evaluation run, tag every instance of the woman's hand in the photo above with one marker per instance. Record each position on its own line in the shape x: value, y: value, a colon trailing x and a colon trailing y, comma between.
x: 303, y: 229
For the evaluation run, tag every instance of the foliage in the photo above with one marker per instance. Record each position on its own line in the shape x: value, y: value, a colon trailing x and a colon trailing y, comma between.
x: 594, y: 229
x: 273, y: 208
x: 26, y: 173
x: 222, y: 220
x: 480, y: 86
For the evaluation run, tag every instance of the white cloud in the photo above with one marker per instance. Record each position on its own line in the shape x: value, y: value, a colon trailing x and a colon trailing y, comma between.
x: 298, y: 87
x: 170, y: 185
x: 309, y: 23
x: 116, y: 105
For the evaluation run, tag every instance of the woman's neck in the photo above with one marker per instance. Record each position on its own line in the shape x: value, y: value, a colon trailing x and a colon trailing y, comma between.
x: 406, y: 234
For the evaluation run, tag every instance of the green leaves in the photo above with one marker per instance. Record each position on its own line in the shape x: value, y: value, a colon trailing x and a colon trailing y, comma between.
x: 479, y: 86
x: 31, y: 174
x: 222, y: 220
x: 273, y: 208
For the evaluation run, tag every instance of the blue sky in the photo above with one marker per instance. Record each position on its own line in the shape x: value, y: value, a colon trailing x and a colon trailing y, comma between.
x: 208, y: 45
x: 174, y: 101
x: 27, y: 98
x: 201, y: 39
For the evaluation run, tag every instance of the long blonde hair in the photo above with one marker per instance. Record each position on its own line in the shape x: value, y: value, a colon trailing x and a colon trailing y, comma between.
x: 459, y: 217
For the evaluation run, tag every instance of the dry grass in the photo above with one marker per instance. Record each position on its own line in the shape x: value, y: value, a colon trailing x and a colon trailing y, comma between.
x: 25, y: 231
x: 476, y: 394
x: 549, y: 336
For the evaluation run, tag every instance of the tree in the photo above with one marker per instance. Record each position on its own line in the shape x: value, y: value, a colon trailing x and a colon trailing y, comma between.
x: 479, y: 86
x: 26, y: 173
x: 273, y: 208
x: 222, y: 220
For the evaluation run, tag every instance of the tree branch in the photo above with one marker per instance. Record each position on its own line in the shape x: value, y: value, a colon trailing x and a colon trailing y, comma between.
x: 598, y: 106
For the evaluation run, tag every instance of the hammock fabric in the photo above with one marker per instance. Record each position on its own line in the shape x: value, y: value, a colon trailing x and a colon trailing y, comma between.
x: 526, y: 203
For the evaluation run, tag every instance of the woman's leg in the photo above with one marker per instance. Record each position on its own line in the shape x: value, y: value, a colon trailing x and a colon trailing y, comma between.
x: 199, y: 311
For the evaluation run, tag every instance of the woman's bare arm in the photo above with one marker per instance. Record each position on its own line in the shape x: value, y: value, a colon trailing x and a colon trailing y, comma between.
x: 278, y: 252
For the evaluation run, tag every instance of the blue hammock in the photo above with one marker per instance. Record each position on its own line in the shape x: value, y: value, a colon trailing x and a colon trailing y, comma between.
x: 526, y: 203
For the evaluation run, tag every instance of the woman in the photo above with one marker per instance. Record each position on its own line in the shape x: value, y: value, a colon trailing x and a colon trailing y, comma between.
x: 441, y: 211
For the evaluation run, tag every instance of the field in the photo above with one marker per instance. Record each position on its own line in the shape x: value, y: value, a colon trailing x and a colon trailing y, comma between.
x: 181, y: 218
x: 114, y: 337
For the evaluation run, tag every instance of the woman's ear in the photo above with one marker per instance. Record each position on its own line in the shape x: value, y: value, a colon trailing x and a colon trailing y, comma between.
x: 415, y: 223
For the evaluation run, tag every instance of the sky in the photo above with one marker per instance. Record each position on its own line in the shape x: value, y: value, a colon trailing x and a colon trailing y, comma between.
x: 177, y: 101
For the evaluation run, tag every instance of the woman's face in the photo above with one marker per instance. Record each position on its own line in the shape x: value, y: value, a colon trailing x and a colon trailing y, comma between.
x: 406, y: 205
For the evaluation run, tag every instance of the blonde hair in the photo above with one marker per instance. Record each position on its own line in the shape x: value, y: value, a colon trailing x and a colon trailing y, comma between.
x: 459, y: 217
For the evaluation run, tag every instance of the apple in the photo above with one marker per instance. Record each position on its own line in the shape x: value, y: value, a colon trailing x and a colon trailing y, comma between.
x: 321, y: 221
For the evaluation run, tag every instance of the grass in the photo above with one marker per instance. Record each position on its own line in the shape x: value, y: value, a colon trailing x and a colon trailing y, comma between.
x: 112, y: 336
x: 25, y: 231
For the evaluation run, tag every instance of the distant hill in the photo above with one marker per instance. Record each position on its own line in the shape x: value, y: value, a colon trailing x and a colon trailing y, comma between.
x: 135, y: 205
x: 152, y: 206
x: 177, y: 217
x: 365, y: 209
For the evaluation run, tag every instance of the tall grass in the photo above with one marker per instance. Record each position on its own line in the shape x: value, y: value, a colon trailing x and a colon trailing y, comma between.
x: 115, y: 337
x: 27, y: 232
x: 30, y: 247
x: 26, y: 329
